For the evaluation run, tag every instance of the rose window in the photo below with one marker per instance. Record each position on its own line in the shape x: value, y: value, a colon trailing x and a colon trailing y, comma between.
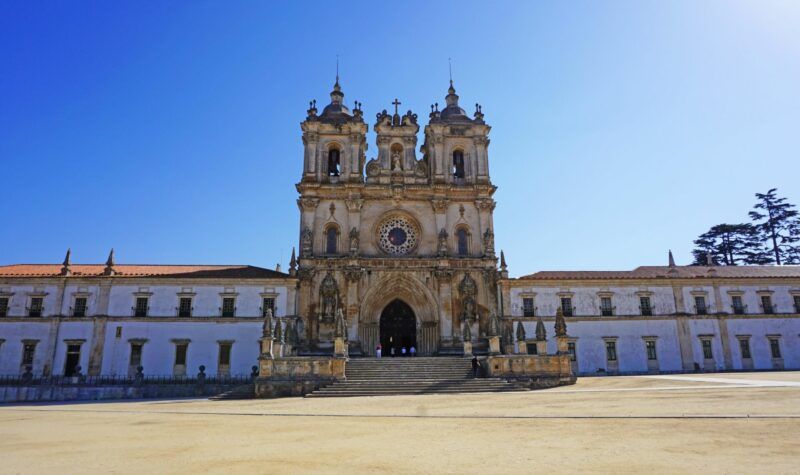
x: 397, y: 236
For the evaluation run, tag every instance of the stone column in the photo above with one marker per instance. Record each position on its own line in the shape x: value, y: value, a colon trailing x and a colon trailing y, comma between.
x: 98, y: 343
x: 685, y: 343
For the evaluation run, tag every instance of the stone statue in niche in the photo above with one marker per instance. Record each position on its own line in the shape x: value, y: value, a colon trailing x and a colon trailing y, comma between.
x: 266, y: 329
x: 442, y: 248
x: 488, y: 242
x: 328, y: 297
x: 468, y: 289
x: 306, y: 238
x: 354, y: 241
x: 397, y: 160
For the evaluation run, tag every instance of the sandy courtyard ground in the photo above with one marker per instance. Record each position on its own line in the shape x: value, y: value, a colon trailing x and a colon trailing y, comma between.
x: 711, y: 423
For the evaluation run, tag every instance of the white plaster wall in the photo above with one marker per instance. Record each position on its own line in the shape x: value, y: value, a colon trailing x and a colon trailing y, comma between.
x: 688, y: 298
x: 11, y: 350
x: 158, y: 354
x: 758, y: 329
x: 706, y: 326
x: 20, y: 300
x: 78, y: 330
x: 781, y: 297
x: 91, y: 300
x: 587, y: 302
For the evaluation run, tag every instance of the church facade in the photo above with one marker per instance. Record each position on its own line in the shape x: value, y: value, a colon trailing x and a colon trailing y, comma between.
x: 396, y: 251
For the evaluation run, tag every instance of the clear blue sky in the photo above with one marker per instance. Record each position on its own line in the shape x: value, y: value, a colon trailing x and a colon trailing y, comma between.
x: 170, y: 130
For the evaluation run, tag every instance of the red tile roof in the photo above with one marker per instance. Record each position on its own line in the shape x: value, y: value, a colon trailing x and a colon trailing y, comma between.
x: 682, y: 272
x: 145, y: 270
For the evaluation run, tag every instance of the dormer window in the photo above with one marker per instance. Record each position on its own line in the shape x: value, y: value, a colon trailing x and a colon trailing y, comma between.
x: 334, y: 159
x: 458, y: 164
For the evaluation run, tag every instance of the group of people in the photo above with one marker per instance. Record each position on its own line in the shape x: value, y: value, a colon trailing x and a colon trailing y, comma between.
x: 412, y: 351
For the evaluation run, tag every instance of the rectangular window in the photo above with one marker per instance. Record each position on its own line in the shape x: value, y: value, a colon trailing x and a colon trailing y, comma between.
x: 28, y: 352
x: 708, y: 353
x: 738, y: 306
x: 566, y: 306
x: 573, y: 354
x: 611, y: 350
x: 744, y: 347
x: 605, y: 307
x: 228, y: 308
x: 775, y: 347
x: 4, y: 306
x: 651, y: 350
x: 141, y: 307
x: 766, y: 304
x: 73, y: 360
x: 185, y: 307
x: 527, y: 307
x: 225, y: 354
x: 180, y: 353
x: 268, y: 303
x: 79, y: 310
x: 700, y: 305
x: 136, y: 354
x: 645, y: 307
x: 797, y: 304
x: 37, y: 305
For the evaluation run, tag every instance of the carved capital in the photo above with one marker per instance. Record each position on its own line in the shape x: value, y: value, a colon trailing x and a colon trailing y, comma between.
x: 310, y: 137
x: 485, y: 204
x: 481, y: 140
x: 384, y: 140
x: 354, y: 204
x: 438, y: 139
x: 306, y: 274
x: 353, y: 273
x: 439, y: 205
x: 409, y: 140
x: 307, y: 203
x: 443, y: 275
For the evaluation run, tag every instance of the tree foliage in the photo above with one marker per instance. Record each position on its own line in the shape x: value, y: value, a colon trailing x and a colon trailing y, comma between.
x: 730, y: 245
x: 777, y: 223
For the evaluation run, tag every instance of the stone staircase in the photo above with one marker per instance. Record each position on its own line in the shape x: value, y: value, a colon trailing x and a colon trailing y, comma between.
x: 407, y: 375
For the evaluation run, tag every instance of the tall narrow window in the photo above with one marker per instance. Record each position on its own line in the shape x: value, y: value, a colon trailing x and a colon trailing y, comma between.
x: 605, y: 307
x: 79, y: 310
x: 185, y: 307
x: 650, y: 346
x: 572, y: 350
x: 141, y: 307
x: 228, y: 306
x: 797, y: 304
x: 36, y: 308
x: 738, y: 306
x: 4, y: 306
x: 611, y: 350
x: 775, y: 347
x: 566, y: 306
x: 180, y: 353
x: 331, y: 240
x: 766, y: 304
x: 73, y: 360
x: 458, y: 164
x: 708, y: 352
x: 28, y: 352
x: 462, y: 241
x: 136, y: 354
x: 333, y: 162
x: 700, y: 305
x: 645, y: 306
x: 268, y: 303
x: 527, y: 307
x: 744, y: 347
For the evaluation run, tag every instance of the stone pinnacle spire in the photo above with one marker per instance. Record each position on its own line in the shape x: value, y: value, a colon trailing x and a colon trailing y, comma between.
x: 293, y: 264
x: 66, y: 270
x: 671, y: 259
x: 110, y: 270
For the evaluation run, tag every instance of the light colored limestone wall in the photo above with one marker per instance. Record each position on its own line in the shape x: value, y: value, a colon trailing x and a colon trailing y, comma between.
x: 21, y: 298
x: 758, y: 329
x: 11, y: 350
x: 586, y: 300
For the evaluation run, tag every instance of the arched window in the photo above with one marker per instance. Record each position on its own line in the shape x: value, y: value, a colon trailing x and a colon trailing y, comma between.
x: 458, y: 164
x: 331, y: 240
x: 462, y: 242
x: 333, y: 162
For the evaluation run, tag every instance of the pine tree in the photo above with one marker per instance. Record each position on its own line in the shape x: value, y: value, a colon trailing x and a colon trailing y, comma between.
x: 730, y: 245
x: 777, y: 225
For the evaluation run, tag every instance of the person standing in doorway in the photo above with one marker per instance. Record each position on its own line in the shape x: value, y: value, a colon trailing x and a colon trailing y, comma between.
x: 378, y: 351
x: 413, y: 351
x: 403, y: 351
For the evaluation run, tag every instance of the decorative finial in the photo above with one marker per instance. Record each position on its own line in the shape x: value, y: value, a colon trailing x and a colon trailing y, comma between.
x: 109, y: 270
x: 503, y: 265
x: 671, y: 259
x: 541, y: 332
x: 337, y: 69
x: 293, y: 264
x: 520, y: 332
x: 450, y: 68
x: 66, y: 269
x: 561, y: 324
x: 396, y: 103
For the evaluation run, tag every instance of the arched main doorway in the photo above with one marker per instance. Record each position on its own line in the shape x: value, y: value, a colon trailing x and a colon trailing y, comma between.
x: 398, y: 327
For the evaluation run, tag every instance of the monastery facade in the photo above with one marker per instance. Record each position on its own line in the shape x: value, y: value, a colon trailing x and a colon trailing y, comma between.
x: 396, y: 251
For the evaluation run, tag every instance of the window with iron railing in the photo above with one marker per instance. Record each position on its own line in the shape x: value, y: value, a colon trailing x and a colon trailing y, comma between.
x: 228, y: 307
x: 645, y: 306
x: 28, y: 352
x: 185, y: 307
x: 79, y: 310
x: 700, y: 305
x: 737, y: 305
x: 3, y: 306
x: 650, y: 346
x: 611, y: 351
x: 527, y: 307
x: 766, y: 304
x: 708, y: 352
x: 268, y: 303
x: 37, y: 307
x: 606, y: 309
x: 566, y: 307
x: 141, y: 309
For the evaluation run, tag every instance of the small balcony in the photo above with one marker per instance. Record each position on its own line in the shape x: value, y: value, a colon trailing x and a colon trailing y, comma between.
x: 140, y: 312
x: 739, y: 309
x: 35, y: 311
x: 770, y: 309
x: 184, y: 312
x: 700, y: 310
x: 607, y: 311
x: 646, y: 311
x: 227, y: 312
x: 568, y: 311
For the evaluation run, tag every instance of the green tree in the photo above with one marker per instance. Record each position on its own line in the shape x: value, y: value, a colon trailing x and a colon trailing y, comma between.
x: 777, y: 225
x: 730, y: 245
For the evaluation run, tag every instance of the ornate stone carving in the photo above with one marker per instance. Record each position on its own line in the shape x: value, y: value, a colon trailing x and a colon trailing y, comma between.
x: 306, y: 242
x: 421, y: 169
x: 266, y: 328
x: 466, y: 332
x: 397, y: 160
x: 340, y: 326
x: 305, y: 274
x: 494, y: 325
x: 373, y: 168
x: 354, y: 204
x: 307, y: 203
x: 328, y: 297
x: 561, y: 324
x: 354, y: 241
x: 443, y: 275
x: 488, y: 242
x: 439, y: 205
x: 541, y: 333
x: 441, y: 249
x: 397, y: 236
x: 468, y: 289
x: 520, y: 332
x: 383, y: 140
x: 353, y: 273
x: 485, y: 204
